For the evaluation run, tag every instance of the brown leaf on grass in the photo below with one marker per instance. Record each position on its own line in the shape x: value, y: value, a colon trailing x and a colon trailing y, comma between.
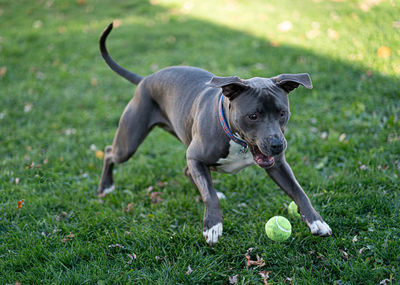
x: 149, y: 189
x: 3, y: 71
x: 81, y: 2
x: 333, y: 34
x: 28, y: 107
x: 362, y: 250
x: 100, y: 154
x: 189, y: 270
x: 345, y: 256
x: 20, y: 203
x: 129, y: 207
x: 362, y: 166
x: 288, y: 280
x: 132, y: 257
x: 258, y: 263
x: 265, y: 274
x: 93, y: 81
x: 62, y: 30
x: 117, y: 23
x: 117, y: 245
x: 156, y: 198
x: 285, y: 26
x: 162, y: 184
x: 383, y: 52
x: 68, y: 237
x: 233, y: 279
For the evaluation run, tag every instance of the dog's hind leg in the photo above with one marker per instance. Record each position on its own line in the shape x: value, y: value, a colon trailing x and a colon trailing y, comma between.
x: 138, y: 118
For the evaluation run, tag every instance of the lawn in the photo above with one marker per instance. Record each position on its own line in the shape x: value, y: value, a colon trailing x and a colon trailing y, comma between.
x: 60, y: 105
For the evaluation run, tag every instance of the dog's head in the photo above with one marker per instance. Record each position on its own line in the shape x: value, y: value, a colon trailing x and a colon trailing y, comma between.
x: 259, y: 111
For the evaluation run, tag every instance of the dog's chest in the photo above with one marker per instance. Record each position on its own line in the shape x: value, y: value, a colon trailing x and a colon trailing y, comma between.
x: 236, y: 159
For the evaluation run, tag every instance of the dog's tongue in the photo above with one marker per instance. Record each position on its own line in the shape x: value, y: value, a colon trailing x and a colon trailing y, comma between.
x: 263, y: 160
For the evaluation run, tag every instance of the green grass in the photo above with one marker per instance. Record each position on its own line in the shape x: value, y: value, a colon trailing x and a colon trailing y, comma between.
x: 52, y: 111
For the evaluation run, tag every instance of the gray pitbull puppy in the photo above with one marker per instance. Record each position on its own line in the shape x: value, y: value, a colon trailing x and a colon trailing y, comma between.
x: 226, y: 123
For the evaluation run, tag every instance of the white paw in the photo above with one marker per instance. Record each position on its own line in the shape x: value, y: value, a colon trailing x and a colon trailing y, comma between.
x: 108, y: 190
x: 221, y: 195
x: 213, y: 235
x: 320, y: 228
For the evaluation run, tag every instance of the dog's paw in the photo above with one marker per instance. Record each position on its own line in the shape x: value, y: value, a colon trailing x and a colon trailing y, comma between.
x: 320, y: 228
x: 221, y: 195
x: 213, y: 234
x: 107, y: 191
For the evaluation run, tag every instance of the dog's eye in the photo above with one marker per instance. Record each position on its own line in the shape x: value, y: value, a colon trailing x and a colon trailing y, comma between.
x: 253, y: 117
x: 283, y: 114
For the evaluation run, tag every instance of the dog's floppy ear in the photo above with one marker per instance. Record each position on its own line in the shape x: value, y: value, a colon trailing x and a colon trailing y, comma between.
x: 289, y: 82
x: 231, y: 86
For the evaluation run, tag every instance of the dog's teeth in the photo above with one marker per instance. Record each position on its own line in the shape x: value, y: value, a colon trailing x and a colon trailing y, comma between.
x: 213, y: 234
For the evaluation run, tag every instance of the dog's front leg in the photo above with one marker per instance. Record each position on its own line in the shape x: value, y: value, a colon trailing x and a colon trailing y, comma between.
x: 283, y: 175
x: 201, y: 177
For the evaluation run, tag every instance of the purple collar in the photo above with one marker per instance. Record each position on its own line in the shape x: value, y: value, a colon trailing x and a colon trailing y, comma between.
x: 225, y: 125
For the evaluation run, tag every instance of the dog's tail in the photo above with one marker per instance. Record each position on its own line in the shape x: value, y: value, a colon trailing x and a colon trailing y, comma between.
x: 130, y: 76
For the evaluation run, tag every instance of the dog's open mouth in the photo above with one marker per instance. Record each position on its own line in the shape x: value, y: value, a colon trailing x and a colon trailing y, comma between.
x: 262, y: 160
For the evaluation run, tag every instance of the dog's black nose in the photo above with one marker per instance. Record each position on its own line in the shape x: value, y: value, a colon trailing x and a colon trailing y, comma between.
x: 276, y: 145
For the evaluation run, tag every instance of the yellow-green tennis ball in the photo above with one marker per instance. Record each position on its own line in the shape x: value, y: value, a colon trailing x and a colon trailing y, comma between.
x: 278, y: 228
x: 292, y: 209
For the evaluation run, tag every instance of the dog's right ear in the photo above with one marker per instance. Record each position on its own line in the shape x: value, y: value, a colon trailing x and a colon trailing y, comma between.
x: 231, y: 86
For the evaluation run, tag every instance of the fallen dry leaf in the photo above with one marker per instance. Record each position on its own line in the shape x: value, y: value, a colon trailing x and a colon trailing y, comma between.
x: 258, y: 263
x: 288, y: 280
x: 20, y: 203
x: 342, y: 137
x: 189, y: 270
x: 68, y: 237
x: 117, y: 245
x: 366, y: 5
x: 3, y: 71
x: 93, y: 81
x: 354, y: 239
x: 149, y: 189
x: 265, y: 274
x: 383, y: 52
x: 129, y: 207
x: 100, y: 154
x: 233, y: 279
x: 132, y: 257
x: 28, y: 107
x: 362, y: 166
x: 62, y: 30
x: 81, y: 2
x: 333, y: 34
x: 162, y: 184
x: 117, y: 23
x: 285, y: 26
x: 155, y: 197
x: 362, y: 250
x: 345, y: 256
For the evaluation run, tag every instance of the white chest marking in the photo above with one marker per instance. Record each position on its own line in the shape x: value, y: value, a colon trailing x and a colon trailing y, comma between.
x: 236, y: 159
